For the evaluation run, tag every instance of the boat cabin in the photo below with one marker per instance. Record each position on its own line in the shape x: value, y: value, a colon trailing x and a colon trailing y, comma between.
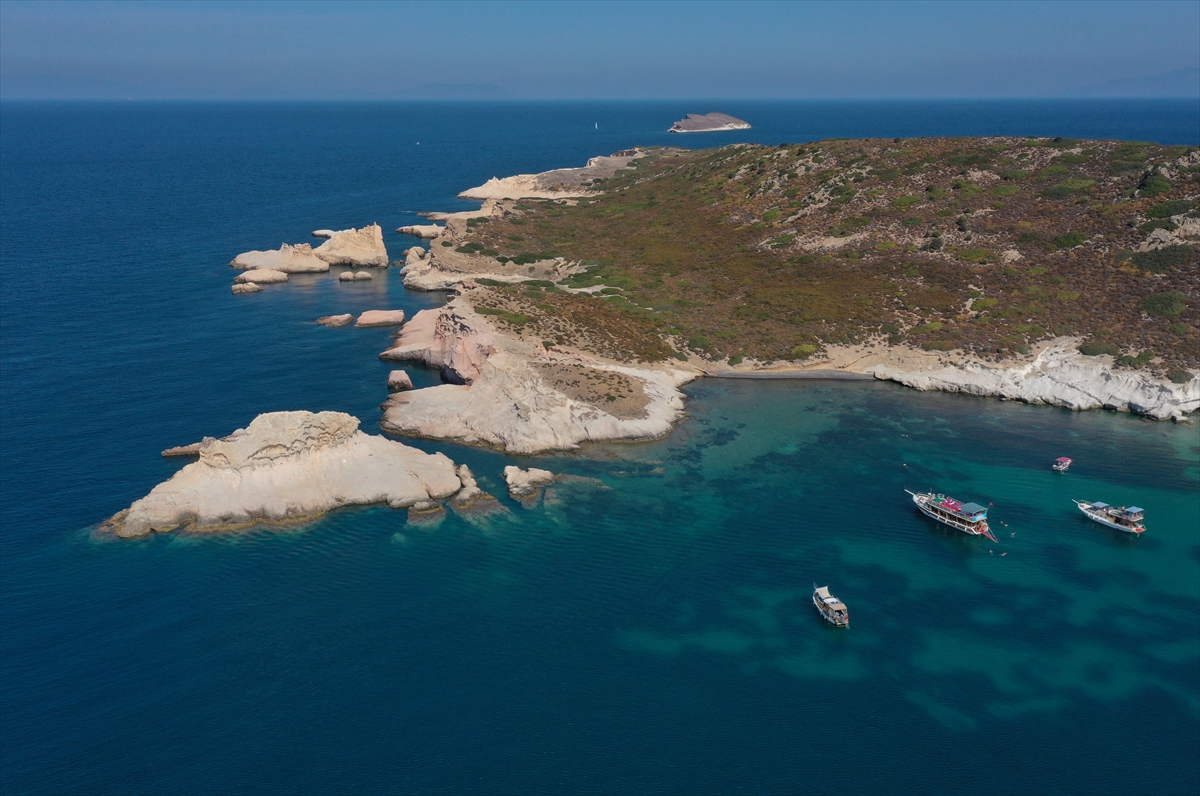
x: 971, y: 512
x: 1061, y: 464
x: 833, y: 609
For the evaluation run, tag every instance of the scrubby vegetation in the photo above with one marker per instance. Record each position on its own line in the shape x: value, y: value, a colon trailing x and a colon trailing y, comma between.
x: 985, y: 245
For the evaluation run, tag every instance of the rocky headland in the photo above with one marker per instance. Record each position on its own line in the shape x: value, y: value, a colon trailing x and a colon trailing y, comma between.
x: 555, y: 184
x: 288, y: 466
x: 708, y: 123
x: 509, y: 391
x: 355, y: 247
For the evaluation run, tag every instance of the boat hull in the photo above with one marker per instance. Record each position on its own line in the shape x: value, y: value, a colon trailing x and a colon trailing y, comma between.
x: 978, y: 529
x: 827, y: 617
x: 1116, y: 526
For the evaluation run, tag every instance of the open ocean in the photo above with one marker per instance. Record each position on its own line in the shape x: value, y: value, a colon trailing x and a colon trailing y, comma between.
x: 653, y: 634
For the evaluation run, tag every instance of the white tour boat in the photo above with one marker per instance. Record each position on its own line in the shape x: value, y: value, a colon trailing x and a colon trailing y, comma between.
x: 970, y: 518
x: 1124, y: 519
x: 833, y: 609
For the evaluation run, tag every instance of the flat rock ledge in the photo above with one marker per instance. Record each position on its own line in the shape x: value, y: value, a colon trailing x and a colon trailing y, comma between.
x: 354, y: 276
x: 249, y: 287
x: 422, y: 230
x: 261, y: 276
x: 336, y: 320
x: 285, y: 467
x: 381, y: 318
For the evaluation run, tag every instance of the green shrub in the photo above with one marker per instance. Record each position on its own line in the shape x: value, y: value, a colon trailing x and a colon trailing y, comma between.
x: 890, y: 174
x: 1162, y: 259
x: 682, y: 357
x: 1071, y: 157
x: 1167, y: 304
x: 1095, y: 349
x: 804, y: 351
x: 447, y: 243
x: 906, y: 201
x: 939, y: 345
x: 1063, y: 143
x: 483, y: 280
x: 699, y: 343
x: 736, y: 359
x: 1014, y: 174
x: 504, y: 315
x: 1180, y: 376
x: 474, y: 222
x: 1070, y: 240
x: 1158, y: 223
x: 1068, y: 295
x: 984, y: 304
x: 516, y: 238
x: 1006, y: 190
x: 932, y: 326
x: 963, y: 160
x: 913, y: 221
x: 1068, y: 187
x: 1154, y: 184
x: 1051, y: 171
x: 977, y: 255
x: 1170, y: 208
x: 770, y: 216
x: 1180, y: 328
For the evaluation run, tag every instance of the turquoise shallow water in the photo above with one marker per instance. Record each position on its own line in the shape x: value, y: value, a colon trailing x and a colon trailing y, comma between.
x: 647, y: 630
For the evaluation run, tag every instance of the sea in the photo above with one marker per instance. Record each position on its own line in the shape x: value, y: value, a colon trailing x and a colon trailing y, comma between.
x: 647, y: 628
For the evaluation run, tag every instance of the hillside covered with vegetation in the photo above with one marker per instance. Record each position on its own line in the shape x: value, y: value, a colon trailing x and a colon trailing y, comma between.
x: 985, y: 245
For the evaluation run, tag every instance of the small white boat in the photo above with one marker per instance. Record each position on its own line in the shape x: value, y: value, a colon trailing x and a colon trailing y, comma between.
x: 970, y: 518
x: 1061, y: 464
x: 833, y: 609
x: 1124, y: 519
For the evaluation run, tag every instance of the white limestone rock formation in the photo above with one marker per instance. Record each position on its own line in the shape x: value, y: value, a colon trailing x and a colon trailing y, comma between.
x: 499, y: 395
x: 380, y: 318
x: 422, y: 230
x: 336, y: 320
x: 356, y: 247
x: 708, y: 123
x: 298, y: 259
x: 261, y: 276
x: 288, y: 466
x: 354, y: 276
x: 185, y: 450
x: 526, y: 483
x: 249, y: 287
x: 1060, y: 376
x: 399, y: 380
x: 556, y: 184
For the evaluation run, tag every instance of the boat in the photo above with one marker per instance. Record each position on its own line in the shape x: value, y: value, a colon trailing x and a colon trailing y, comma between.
x: 1061, y: 464
x: 970, y: 518
x: 833, y: 609
x: 1124, y: 519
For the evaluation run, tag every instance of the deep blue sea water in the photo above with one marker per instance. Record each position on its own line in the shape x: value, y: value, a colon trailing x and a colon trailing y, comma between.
x: 652, y: 633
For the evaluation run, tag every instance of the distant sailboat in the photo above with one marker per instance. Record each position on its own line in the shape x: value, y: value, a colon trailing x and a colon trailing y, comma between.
x: 597, y: 125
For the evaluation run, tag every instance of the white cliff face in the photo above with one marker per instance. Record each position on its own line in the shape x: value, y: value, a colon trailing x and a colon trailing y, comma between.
x: 1060, y: 376
x: 288, y: 466
x: 357, y: 247
x: 499, y: 397
x: 288, y: 259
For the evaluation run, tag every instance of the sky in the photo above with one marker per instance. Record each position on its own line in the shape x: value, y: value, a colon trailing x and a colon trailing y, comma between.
x: 607, y: 50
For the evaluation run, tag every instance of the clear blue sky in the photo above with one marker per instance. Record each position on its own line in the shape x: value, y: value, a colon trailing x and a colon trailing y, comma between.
x: 383, y: 50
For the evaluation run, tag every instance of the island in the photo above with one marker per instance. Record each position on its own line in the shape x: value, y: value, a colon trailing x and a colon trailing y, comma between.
x: 1050, y: 271
x: 708, y: 123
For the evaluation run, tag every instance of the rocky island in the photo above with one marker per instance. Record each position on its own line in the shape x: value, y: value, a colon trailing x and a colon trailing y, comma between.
x: 1043, y: 270
x: 287, y: 466
x: 708, y: 123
